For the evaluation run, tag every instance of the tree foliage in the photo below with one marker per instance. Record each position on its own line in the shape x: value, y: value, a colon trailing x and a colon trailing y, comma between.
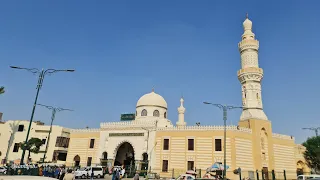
x: 312, y: 153
x: 33, y: 146
x: 2, y: 90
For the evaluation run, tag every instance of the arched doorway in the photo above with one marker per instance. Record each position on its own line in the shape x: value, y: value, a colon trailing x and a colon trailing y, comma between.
x: 76, y: 160
x: 125, y: 155
x: 300, y: 168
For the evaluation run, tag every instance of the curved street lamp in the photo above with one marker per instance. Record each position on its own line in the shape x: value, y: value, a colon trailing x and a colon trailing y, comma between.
x: 41, y: 73
x: 54, y: 110
x: 224, y: 108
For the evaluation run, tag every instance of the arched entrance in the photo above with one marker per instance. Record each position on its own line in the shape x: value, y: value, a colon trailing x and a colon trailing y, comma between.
x: 76, y: 160
x: 125, y: 155
x: 300, y: 168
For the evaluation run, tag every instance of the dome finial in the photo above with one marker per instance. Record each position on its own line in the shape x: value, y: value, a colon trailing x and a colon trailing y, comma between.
x: 153, y: 89
x: 247, y: 15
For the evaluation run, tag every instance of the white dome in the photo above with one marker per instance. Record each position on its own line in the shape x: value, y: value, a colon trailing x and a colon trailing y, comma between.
x: 152, y: 99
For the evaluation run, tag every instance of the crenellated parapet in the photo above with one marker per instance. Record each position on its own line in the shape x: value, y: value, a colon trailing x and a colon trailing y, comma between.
x: 89, y: 130
x: 205, y: 128
x: 282, y: 136
x: 128, y: 125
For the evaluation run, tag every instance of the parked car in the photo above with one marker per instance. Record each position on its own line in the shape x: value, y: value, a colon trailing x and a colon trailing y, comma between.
x: 3, y: 170
x: 82, y: 173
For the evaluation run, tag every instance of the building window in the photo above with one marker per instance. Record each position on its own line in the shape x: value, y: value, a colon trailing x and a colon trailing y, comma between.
x: 16, y: 147
x: 165, y: 114
x: 218, y: 145
x: 166, y: 144
x: 144, y: 113
x: 44, y: 141
x: 264, y: 157
x: 190, y: 145
x: 20, y: 128
x: 190, y: 165
x: 62, y: 142
x: 156, y: 113
x: 257, y: 96
x: 91, y: 143
x: 165, y: 166
x: 104, y: 155
x: 145, y: 157
x: 89, y: 161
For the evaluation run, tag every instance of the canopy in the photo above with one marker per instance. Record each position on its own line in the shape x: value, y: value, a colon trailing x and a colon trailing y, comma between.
x: 217, y: 166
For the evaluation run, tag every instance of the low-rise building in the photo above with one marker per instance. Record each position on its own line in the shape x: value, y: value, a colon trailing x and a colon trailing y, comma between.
x: 14, y: 132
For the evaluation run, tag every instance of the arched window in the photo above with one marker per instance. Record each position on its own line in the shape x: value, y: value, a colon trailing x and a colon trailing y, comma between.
x: 136, y: 113
x: 104, y: 155
x: 257, y: 96
x: 165, y: 114
x: 145, y: 157
x: 156, y: 113
x: 144, y: 113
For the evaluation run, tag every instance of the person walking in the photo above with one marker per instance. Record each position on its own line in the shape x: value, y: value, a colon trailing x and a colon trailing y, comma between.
x: 69, y: 175
x: 92, y: 174
x: 136, y: 177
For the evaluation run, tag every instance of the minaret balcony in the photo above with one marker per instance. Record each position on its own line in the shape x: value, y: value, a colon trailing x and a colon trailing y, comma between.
x: 248, y: 44
x: 250, y: 70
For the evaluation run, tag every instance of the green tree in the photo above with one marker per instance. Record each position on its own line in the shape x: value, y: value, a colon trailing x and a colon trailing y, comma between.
x: 2, y: 90
x: 312, y: 153
x: 33, y: 146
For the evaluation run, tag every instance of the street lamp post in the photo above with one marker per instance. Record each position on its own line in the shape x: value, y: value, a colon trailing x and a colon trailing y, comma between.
x: 146, y: 129
x: 225, y: 109
x: 315, y: 129
x: 54, y: 110
x: 41, y: 74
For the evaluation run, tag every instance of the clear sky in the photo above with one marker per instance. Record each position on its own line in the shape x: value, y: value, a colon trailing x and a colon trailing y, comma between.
x: 121, y: 49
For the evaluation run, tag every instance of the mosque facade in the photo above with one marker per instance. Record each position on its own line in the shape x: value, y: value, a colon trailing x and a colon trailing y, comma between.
x: 153, y: 142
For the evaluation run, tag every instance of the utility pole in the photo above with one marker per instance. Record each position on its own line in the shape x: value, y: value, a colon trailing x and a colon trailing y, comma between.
x: 315, y: 129
x: 225, y: 109
x: 41, y: 73
x: 54, y: 110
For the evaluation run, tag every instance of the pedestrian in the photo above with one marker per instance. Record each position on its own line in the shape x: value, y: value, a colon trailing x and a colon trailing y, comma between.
x: 92, y: 174
x: 114, y: 173
x: 69, y: 175
x: 136, y: 177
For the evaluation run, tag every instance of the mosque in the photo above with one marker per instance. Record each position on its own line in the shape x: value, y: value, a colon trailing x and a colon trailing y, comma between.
x: 151, y: 141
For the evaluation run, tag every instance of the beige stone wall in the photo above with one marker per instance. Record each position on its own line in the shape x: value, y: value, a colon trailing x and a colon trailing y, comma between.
x: 80, y: 145
x: 10, y: 129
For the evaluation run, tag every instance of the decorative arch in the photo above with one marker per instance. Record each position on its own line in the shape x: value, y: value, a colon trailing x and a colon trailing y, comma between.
x: 156, y: 113
x: 144, y: 112
x: 105, y: 155
x: 120, y: 144
x: 145, y: 157
x: 76, y: 160
x: 301, y: 167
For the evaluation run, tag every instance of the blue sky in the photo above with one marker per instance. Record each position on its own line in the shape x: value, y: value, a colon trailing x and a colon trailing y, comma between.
x: 121, y: 49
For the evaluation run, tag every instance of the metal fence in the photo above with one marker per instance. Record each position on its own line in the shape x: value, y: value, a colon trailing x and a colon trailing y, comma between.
x: 268, y: 175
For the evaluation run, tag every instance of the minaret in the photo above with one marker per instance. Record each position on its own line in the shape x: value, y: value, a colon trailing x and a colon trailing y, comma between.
x: 181, y: 110
x: 250, y: 75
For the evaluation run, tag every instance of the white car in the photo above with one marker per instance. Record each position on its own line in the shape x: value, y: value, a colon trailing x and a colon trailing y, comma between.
x: 86, y: 172
x: 82, y: 173
x: 3, y: 170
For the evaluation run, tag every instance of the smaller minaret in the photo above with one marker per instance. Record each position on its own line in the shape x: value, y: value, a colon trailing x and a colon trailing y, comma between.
x: 181, y: 110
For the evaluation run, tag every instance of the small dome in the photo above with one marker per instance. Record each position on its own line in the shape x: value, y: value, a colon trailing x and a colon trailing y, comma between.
x: 152, y: 99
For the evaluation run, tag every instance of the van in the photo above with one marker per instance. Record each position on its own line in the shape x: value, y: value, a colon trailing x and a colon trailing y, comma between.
x: 97, y: 171
x: 312, y: 176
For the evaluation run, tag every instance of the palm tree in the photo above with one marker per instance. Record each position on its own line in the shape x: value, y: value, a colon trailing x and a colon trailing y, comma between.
x: 33, y: 145
x: 2, y: 90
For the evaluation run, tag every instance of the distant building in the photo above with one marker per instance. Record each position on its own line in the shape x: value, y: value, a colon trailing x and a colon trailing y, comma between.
x: 14, y: 132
